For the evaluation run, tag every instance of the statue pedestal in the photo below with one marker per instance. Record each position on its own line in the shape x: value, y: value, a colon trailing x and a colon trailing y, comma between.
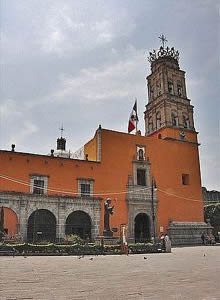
x: 106, y: 240
x: 108, y: 233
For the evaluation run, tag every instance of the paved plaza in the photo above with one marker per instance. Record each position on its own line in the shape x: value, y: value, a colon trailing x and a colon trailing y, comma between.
x: 186, y: 273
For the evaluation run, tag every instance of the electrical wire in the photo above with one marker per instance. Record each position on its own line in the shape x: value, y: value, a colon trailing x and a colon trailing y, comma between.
x: 98, y: 193
x: 72, y: 192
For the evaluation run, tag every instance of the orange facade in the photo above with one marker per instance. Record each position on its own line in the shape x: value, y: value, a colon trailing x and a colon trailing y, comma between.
x: 168, y: 159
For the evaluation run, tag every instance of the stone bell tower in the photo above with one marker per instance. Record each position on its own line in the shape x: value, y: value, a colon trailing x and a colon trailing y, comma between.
x: 168, y: 105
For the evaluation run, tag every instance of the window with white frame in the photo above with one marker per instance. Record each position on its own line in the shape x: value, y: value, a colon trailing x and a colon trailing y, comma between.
x: 141, y: 173
x: 38, y: 184
x: 85, y: 187
x: 140, y: 153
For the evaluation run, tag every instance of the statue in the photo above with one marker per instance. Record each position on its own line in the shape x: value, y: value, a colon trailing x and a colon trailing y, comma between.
x: 108, y: 211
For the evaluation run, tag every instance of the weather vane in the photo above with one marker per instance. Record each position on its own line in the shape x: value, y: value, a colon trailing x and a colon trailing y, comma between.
x: 163, y: 39
x: 61, y: 130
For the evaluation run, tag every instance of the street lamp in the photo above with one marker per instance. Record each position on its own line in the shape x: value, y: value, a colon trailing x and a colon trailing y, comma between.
x: 153, y: 188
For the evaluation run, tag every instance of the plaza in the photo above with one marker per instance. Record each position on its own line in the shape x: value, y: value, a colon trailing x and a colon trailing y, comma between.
x: 186, y: 273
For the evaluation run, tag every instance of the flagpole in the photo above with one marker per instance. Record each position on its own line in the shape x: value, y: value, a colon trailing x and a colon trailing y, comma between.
x: 136, y: 115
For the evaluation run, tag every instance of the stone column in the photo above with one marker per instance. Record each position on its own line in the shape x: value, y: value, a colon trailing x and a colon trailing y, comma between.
x: 23, y: 225
x: 61, y: 219
x: 95, y: 230
x: 130, y: 223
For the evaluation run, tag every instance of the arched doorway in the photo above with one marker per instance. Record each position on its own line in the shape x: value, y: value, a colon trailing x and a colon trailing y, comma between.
x: 78, y: 222
x: 142, y: 228
x: 10, y: 221
x: 41, y: 226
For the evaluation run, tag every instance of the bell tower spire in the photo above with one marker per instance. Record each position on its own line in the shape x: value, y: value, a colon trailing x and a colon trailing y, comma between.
x: 168, y: 105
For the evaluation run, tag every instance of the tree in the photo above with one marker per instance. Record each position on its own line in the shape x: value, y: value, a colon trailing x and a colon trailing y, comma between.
x: 212, y: 214
x: 1, y: 223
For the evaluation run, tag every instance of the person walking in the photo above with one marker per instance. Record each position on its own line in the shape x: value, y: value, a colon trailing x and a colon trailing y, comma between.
x: 203, y: 238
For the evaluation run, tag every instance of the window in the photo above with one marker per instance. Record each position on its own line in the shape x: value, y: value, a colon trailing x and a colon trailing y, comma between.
x: 85, y: 187
x: 152, y: 93
x: 158, y: 118
x: 158, y: 88
x: 150, y: 125
x: 174, y: 119
x: 38, y: 187
x: 185, y: 121
x: 140, y: 152
x: 185, y: 179
x: 141, y: 177
x: 39, y: 184
x: 179, y: 90
x: 170, y: 87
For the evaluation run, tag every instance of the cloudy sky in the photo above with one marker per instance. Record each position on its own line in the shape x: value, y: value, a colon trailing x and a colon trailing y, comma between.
x: 82, y: 63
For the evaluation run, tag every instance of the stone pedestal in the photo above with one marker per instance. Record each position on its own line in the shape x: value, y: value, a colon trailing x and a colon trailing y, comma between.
x: 187, y: 233
x: 108, y: 233
x: 104, y: 240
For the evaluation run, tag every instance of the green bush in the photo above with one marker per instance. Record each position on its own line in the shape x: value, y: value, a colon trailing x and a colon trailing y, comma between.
x: 139, y: 248
x: 73, y: 239
x: 77, y: 249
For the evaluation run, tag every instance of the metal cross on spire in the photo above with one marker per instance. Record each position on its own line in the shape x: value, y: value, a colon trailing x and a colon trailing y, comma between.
x: 163, y: 39
x: 61, y: 130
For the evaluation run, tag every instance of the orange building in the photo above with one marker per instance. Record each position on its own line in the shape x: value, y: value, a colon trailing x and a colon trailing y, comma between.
x: 153, y: 180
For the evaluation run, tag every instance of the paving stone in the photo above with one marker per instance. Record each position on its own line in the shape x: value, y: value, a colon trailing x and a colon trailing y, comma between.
x: 185, y: 274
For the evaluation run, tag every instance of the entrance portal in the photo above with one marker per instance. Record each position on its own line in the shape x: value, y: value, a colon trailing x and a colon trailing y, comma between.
x: 41, y: 226
x: 142, y: 228
x: 79, y: 223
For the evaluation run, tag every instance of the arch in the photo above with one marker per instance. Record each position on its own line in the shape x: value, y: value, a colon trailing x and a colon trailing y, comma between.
x: 10, y: 221
x: 174, y: 118
x: 140, y: 154
x: 142, y: 228
x: 78, y: 222
x: 158, y: 120
x: 185, y: 121
x: 150, y: 124
x: 41, y: 226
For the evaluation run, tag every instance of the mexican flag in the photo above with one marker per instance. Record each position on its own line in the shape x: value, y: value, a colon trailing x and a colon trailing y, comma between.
x: 132, y: 123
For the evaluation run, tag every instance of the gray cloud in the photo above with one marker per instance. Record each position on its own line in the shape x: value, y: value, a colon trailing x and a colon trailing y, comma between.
x: 83, y: 63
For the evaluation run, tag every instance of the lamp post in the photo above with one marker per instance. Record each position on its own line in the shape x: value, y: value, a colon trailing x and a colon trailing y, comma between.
x: 153, y: 188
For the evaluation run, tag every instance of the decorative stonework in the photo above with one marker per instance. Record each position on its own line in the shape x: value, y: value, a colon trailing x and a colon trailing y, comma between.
x: 61, y: 206
x: 163, y: 52
x: 168, y: 104
x: 139, y: 200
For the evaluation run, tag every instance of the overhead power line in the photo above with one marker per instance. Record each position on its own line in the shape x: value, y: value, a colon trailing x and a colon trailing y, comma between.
x: 98, y: 193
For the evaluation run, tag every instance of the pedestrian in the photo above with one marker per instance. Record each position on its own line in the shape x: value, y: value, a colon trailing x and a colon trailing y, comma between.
x: 167, y: 242
x: 203, y: 238
x: 162, y: 242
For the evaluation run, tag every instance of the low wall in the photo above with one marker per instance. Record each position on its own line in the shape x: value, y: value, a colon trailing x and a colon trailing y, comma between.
x: 187, y: 233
